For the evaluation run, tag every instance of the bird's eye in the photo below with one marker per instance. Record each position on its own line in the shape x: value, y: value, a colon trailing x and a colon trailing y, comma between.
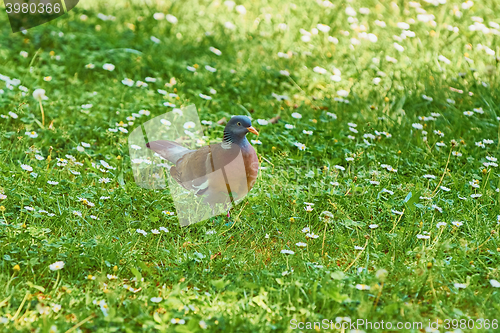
x: 239, y: 124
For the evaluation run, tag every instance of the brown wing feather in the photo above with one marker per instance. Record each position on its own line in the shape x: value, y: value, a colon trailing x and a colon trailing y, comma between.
x: 169, y: 150
x: 211, y: 170
x: 205, y: 160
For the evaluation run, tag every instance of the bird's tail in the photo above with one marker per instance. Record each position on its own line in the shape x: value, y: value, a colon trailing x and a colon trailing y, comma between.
x: 169, y: 150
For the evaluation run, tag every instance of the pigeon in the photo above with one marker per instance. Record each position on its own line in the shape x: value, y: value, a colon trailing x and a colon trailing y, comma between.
x: 221, y: 173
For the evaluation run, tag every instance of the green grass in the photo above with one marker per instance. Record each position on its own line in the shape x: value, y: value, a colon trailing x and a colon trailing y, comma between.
x: 228, y: 274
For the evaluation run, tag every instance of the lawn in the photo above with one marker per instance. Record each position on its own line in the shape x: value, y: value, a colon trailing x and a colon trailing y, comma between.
x: 377, y: 197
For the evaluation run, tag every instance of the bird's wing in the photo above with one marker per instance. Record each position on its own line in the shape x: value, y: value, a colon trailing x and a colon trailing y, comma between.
x: 204, y: 161
x: 194, y: 164
x: 211, y: 170
x: 206, y: 170
x: 169, y: 150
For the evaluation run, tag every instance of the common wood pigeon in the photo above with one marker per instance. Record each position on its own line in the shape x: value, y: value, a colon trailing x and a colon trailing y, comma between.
x: 222, y: 173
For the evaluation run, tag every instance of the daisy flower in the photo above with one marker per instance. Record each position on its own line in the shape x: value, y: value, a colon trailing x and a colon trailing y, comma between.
x: 26, y: 167
x: 56, y: 266
x: 128, y: 82
x: 301, y: 146
x: 396, y: 212
x: 362, y: 287
x: 387, y: 191
x: 215, y: 51
x: 343, y: 93
x: 142, y: 232
x: 210, y: 69
x: 171, y: 18
x: 109, y: 67
x: 32, y: 134
x: 436, y: 207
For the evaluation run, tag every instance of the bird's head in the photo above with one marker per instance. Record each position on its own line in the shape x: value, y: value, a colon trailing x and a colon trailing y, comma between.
x: 237, y: 128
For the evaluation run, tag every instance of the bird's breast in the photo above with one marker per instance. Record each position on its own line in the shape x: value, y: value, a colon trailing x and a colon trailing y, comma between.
x: 251, y: 165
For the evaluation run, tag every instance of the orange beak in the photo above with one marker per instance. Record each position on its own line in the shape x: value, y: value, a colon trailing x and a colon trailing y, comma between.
x: 253, y: 130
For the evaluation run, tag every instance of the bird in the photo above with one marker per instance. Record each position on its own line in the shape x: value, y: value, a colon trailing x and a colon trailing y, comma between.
x: 221, y: 173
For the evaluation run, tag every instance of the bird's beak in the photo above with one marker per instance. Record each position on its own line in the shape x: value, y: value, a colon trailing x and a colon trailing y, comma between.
x: 253, y: 130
